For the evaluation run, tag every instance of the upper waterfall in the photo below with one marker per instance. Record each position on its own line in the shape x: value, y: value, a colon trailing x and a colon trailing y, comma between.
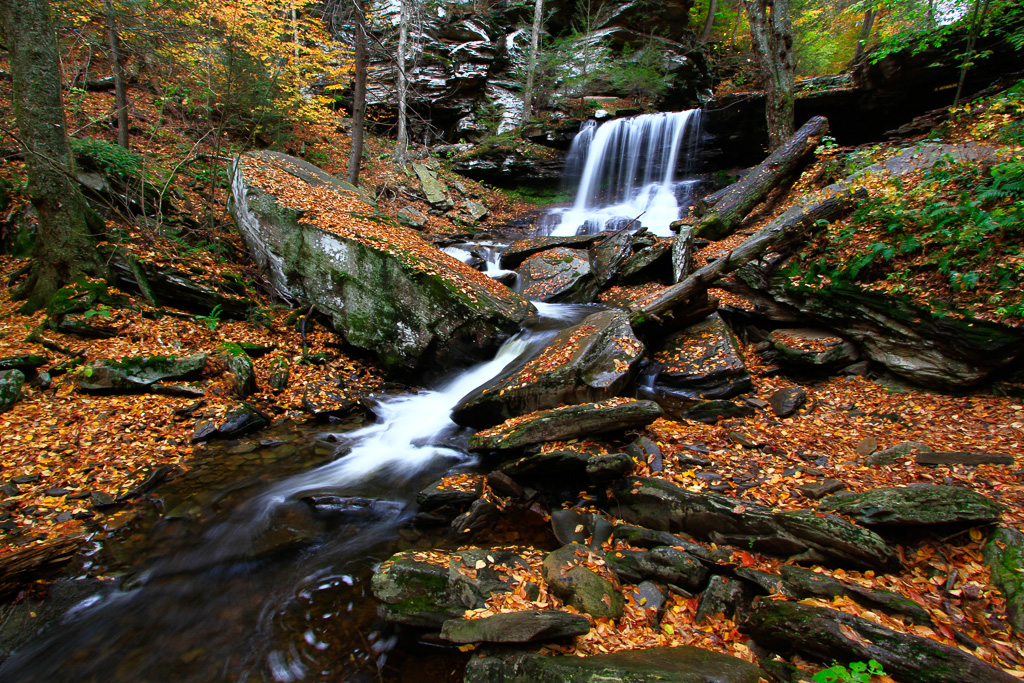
x: 625, y: 170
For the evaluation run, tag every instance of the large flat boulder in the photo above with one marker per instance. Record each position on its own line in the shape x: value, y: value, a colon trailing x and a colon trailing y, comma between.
x: 384, y: 288
x: 559, y: 275
x: 588, y: 362
x: 918, y: 505
x: 566, y: 422
x: 702, y: 362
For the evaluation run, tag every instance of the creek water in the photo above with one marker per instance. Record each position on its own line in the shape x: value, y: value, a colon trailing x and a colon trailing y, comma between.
x: 259, y: 567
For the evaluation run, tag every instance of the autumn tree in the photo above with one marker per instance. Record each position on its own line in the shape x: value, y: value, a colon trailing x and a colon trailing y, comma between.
x: 65, y: 245
x: 772, y: 34
x: 358, y: 92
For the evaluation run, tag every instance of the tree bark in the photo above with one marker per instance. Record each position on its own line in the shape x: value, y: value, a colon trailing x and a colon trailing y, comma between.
x: 709, y: 22
x: 980, y: 10
x: 792, y: 226
x: 355, y: 155
x: 772, y: 32
x: 741, y: 197
x: 865, y: 34
x: 402, y: 84
x: 25, y: 565
x: 65, y: 246
x: 120, y: 89
x: 538, y: 15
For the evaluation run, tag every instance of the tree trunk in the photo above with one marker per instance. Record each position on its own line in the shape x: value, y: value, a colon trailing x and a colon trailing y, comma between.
x: 64, y: 246
x: 709, y: 22
x: 741, y: 197
x: 772, y: 32
x: 402, y: 83
x: 792, y: 226
x: 120, y: 89
x: 355, y: 155
x: 980, y: 10
x: 865, y: 34
x: 736, y: 25
x: 538, y: 15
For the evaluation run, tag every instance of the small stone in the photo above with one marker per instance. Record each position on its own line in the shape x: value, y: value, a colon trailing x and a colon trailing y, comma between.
x: 503, y: 485
x: 649, y: 596
x: 818, y: 490
x: 10, y: 489
x: 787, y: 401
x: 99, y: 499
x: 743, y: 440
x: 568, y: 526
x: 867, y: 446
x: 55, y: 492
x: 26, y: 479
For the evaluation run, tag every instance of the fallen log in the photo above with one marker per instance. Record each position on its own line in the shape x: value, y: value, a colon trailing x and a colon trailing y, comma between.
x: 722, y: 219
x: 25, y: 565
x: 792, y: 226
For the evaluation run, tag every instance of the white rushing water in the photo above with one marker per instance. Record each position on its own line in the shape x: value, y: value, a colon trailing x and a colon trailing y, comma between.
x: 627, y: 170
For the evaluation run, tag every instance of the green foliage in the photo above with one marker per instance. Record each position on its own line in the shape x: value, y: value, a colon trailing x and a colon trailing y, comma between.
x: 641, y: 74
x: 211, y: 320
x: 859, y: 672
x: 101, y: 310
x: 540, y: 196
x: 112, y: 160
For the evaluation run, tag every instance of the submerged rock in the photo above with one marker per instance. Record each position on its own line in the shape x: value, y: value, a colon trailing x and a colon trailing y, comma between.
x: 683, y: 664
x: 591, y: 361
x: 383, y: 288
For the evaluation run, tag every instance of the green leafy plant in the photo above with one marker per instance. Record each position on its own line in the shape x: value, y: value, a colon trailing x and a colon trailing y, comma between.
x: 102, y: 310
x: 859, y: 672
x: 211, y: 320
x: 107, y: 157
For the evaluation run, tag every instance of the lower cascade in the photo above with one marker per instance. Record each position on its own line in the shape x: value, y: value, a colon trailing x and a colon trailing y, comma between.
x: 626, y: 174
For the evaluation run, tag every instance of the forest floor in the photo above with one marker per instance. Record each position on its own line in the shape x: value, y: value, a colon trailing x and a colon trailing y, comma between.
x: 63, y: 445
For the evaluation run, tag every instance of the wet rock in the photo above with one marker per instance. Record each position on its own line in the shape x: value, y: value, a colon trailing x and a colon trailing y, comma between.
x: 242, y: 419
x: 521, y: 250
x: 353, y: 509
x: 438, y: 311
x: 702, y: 362
x: 100, y: 500
x: 683, y: 664
x: 481, y: 513
x: 646, y: 451
x: 723, y: 596
x: 608, y: 256
x: 664, y: 564
x: 503, y: 485
x: 414, y: 592
x: 476, y: 573
x: 588, y: 362
x: 828, y: 635
x: 558, y: 467
x: 579, y: 586
x: 650, y: 595
x: 787, y: 401
x: 707, y: 412
x: 559, y: 275
x: 661, y: 505
x: 1004, y: 554
x: 962, y: 458
x: 568, y: 526
x: 604, y: 468
x: 139, y: 373
x: 433, y: 189
x: 811, y: 349
x: 890, y: 455
x: 325, y: 401
x: 650, y: 538
x: 802, y: 583
x: 650, y: 264
x: 279, y: 378
x: 918, y: 505
x: 516, y: 627
x: 568, y: 422
x: 11, y: 382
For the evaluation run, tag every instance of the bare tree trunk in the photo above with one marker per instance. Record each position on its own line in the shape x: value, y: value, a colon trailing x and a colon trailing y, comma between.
x: 120, y: 88
x: 531, y: 69
x: 772, y: 32
x: 402, y: 83
x: 355, y: 155
x: 65, y: 246
x: 736, y: 25
x: 865, y: 34
x: 980, y: 10
x: 709, y: 21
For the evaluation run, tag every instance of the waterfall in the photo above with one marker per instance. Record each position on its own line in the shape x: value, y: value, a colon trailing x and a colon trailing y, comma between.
x: 626, y: 169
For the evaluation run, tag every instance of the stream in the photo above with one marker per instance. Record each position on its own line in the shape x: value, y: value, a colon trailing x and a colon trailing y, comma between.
x: 255, y: 565
x: 268, y: 580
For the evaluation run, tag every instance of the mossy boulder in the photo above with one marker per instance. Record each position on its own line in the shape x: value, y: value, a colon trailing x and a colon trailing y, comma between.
x: 1004, y: 553
x: 828, y: 635
x: 588, y: 362
x: 11, y: 382
x: 242, y: 374
x: 918, y: 505
x: 664, y: 564
x: 414, y: 592
x: 526, y: 626
x: 559, y: 275
x: 27, y: 363
x: 578, y: 585
x: 382, y: 286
